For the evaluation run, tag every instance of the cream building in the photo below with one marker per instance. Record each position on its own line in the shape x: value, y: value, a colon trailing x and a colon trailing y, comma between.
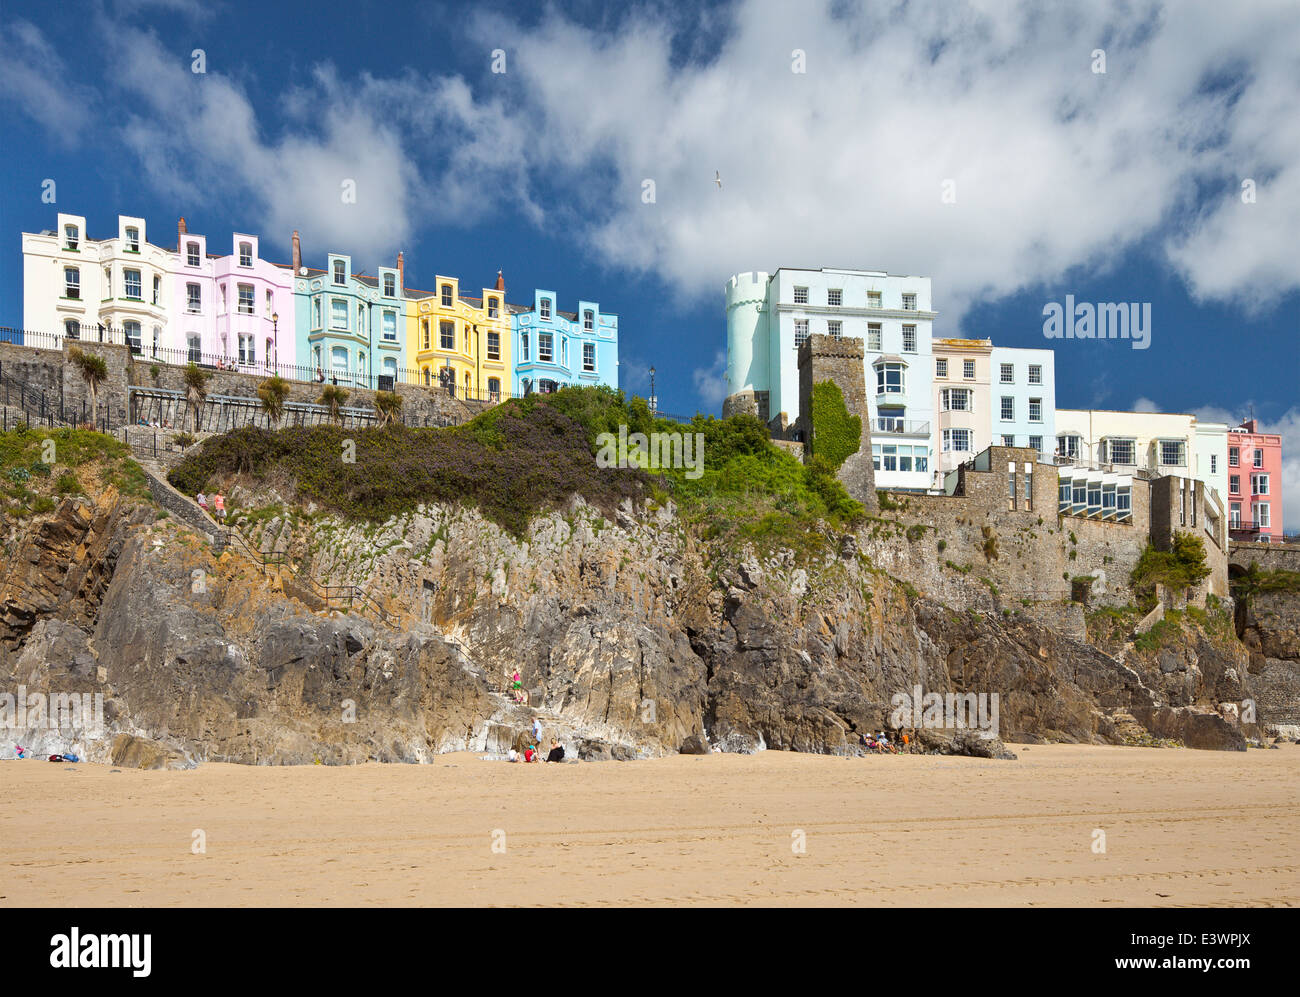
x: 1155, y: 443
x: 962, y: 400
x: 111, y: 290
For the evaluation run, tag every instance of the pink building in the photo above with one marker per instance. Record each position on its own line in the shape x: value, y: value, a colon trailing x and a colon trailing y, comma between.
x: 236, y: 309
x: 1254, y: 484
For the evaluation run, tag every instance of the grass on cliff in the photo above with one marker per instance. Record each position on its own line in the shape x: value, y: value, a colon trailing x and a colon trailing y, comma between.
x: 38, y: 466
x: 528, y: 455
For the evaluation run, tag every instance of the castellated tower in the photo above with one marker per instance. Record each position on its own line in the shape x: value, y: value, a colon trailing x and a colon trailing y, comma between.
x: 824, y: 358
x: 748, y: 347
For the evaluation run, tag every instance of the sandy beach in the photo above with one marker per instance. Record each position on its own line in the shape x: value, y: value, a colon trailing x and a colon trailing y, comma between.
x: 1181, y: 828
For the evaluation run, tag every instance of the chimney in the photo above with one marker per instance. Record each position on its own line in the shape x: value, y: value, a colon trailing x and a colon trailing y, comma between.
x: 297, y: 253
x: 401, y: 272
x: 501, y: 282
x: 180, y: 233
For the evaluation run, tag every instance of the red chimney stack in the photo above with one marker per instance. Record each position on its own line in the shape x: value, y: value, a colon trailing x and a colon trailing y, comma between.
x: 401, y: 271
x: 297, y: 253
x: 180, y: 232
x: 501, y: 282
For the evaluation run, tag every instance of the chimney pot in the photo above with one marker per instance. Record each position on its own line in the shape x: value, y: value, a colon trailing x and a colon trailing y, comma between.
x: 501, y: 282
x: 297, y: 253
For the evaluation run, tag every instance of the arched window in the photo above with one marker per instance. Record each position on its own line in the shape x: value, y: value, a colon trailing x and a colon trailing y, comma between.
x: 245, y: 254
x: 72, y: 328
x: 339, y: 270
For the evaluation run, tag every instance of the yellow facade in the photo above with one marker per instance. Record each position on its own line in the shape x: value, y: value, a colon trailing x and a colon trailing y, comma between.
x: 447, y: 331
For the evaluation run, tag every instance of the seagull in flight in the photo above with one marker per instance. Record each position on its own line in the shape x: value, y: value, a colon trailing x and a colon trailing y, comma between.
x: 717, y: 178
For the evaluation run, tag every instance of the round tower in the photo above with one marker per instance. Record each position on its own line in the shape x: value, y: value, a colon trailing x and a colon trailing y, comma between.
x: 747, y: 346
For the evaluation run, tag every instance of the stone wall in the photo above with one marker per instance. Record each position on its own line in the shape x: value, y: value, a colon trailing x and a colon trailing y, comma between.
x: 841, y: 361
x: 747, y: 402
x: 50, y: 371
x: 1022, y: 551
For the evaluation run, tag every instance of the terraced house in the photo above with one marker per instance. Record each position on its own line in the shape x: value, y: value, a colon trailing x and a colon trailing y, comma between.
x: 461, y: 342
x: 555, y: 349
x: 237, y: 309
x: 349, y: 326
x: 110, y: 290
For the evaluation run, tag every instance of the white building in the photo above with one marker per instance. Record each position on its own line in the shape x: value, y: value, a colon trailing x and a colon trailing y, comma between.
x: 1023, y: 398
x: 1156, y: 443
x: 112, y: 290
x: 769, y: 316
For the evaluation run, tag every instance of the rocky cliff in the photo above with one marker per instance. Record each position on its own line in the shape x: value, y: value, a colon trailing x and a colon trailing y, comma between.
x: 634, y: 637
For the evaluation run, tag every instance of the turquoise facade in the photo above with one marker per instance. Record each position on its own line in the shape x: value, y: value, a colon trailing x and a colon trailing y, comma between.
x: 555, y: 349
x: 351, y: 328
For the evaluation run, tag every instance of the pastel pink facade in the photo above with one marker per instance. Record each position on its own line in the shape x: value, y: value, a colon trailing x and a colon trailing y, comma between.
x: 1254, y: 484
x: 236, y: 308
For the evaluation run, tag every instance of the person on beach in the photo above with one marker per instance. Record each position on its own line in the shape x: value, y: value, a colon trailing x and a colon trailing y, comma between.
x: 556, y: 753
x: 514, y: 756
x: 537, y: 730
x: 530, y: 753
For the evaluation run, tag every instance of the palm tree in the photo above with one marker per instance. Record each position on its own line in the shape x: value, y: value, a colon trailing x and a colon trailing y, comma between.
x: 196, y: 390
x: 273, y: 391
x: 93, y: 370
x: 387, y: 405
x: 333, y: 396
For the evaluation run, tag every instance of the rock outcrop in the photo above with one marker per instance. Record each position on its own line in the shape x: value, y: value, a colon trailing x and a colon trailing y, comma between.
x: 633, y: 637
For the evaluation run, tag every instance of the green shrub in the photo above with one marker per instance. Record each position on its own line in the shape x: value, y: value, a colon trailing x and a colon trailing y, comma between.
x: 1179, y: 568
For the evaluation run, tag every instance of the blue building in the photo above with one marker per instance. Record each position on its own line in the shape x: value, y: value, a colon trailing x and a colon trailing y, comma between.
x: 555, y: 349
x: 350, y: 327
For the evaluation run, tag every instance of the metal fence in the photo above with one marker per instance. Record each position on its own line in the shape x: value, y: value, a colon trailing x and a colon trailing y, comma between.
x: 247, y: 361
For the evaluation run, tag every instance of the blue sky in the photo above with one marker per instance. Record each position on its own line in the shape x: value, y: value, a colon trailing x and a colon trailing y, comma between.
x: 1115, y: 186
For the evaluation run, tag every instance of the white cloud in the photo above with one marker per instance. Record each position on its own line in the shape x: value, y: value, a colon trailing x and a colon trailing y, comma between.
x: 1054, y: 166
x: 1146, y: 405
x: 711, y: 382
x: 38, y: 81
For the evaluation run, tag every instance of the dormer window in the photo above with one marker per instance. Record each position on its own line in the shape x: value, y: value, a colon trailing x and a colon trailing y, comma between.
x: 446, y: 295
x: 494, y: 308
x: 390, y: 286
x: 71, y: 237
x: 192, y: 254
x: 339, y: 269
x: 588, y: 320
x: 546, y: 309
x: 133, y: 240
x: 245, y: 254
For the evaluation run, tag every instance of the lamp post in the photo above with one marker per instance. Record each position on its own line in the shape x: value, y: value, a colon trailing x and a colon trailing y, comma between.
x: 654, y: 402
x: 275, y: 341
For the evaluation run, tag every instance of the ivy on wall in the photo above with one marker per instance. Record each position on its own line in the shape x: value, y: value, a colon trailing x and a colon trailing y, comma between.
x: 836, y: 435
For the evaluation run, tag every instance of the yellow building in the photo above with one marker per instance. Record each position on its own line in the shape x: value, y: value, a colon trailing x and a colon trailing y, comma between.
x: 460, y: 341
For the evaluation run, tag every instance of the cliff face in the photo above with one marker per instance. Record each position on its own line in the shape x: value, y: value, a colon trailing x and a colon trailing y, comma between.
x: 633, y: 637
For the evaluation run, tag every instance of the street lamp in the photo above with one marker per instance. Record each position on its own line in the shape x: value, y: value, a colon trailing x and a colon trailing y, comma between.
x: 654, y: 402
x: 275, y: 333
